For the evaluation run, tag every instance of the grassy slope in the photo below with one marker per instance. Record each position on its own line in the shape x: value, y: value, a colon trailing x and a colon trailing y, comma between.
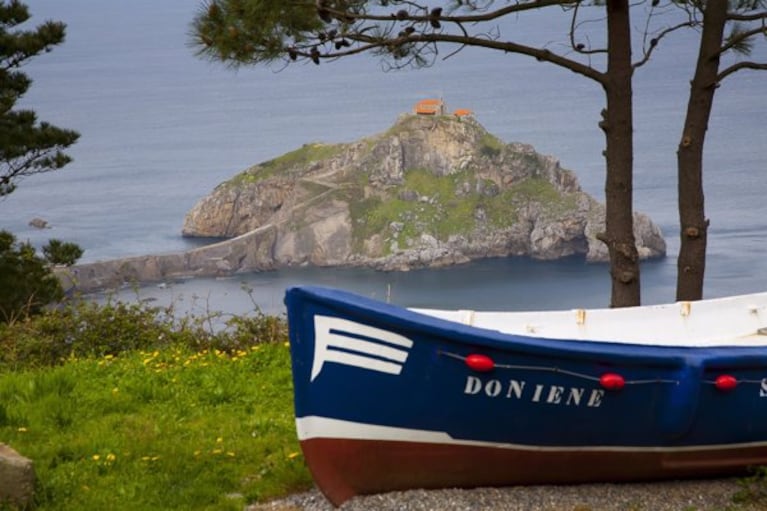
x: 167, y: 429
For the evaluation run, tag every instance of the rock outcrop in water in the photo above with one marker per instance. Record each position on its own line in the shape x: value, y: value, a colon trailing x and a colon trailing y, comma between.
x: 431, y: 191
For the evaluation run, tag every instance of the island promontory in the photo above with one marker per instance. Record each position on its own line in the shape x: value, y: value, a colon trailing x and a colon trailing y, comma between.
x: 430, y: 191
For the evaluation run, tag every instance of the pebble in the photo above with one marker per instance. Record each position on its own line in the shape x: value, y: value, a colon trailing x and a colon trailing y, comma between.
x: 688, y: 495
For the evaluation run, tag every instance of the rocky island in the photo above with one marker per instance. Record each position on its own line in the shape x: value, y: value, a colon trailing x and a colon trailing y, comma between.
x: 431, y: 191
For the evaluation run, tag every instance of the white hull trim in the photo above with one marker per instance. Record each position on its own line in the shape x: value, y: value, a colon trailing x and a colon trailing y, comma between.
x: 313, y: 426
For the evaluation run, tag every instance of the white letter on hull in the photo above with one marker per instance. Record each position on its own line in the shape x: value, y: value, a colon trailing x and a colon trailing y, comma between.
x: 763, y: 389
x: 575, y: 395
x: 473, y: 385
x: 493, y: 388
x: 555, y: 394
x: 515, y: 389
x: 595, y: 399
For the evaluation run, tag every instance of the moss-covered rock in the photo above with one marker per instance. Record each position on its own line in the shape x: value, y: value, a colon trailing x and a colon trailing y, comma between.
x: 429, y: 191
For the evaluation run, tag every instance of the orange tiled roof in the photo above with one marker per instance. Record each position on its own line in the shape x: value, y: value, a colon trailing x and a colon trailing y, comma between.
x: 428, y: 106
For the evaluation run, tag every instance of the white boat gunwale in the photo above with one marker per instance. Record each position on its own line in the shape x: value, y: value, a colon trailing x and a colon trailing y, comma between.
x: 719, y: 322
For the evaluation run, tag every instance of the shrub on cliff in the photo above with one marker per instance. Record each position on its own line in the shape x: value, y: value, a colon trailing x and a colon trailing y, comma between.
x: 60, y: 252
x: 26, y: 282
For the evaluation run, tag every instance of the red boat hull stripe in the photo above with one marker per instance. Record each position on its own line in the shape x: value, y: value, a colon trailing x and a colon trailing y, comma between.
x: 343, y: 468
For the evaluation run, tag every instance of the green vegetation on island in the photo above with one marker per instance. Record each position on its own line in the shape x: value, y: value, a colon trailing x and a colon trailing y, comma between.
x: 429, y: 191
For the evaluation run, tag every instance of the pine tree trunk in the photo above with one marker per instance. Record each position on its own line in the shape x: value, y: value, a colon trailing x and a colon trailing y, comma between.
x: 617, y: 123
x: 691, y: 263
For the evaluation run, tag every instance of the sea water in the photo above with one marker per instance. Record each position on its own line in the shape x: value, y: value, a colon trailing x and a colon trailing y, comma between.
x: 161, y: 127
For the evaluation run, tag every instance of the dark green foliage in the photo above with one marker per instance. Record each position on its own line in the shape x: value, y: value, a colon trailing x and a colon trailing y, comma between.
x: 82, y: 328
x: 26, y: 146
x: 248, y: 32
x: 60, y: 252
x: 26, y: 282
x: 244, y: 32
x: 261, y: 328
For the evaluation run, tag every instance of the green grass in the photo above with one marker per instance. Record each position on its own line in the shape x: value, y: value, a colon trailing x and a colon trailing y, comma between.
x: 124, y: 407
x: 167, y: 429
x: 450, y: 213
x: 490, y: 145
x: 297, y: 159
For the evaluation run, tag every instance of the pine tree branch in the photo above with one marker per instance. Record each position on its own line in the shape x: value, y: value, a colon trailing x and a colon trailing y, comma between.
x: 654, y: 42
x: 740, y: 37
x: 371, y: 43
x: 735, y: 16
x: 761, y: 66
x: 468, y: 18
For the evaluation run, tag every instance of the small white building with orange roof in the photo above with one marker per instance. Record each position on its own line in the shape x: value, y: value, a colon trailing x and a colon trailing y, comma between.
x: 430, y: 107
x: 437, y: 107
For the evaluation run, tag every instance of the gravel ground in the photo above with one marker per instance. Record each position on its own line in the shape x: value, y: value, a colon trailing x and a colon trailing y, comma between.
x: 696, y: 495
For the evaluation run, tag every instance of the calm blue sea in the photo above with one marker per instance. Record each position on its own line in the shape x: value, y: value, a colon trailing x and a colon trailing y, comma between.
x: 160, y: 128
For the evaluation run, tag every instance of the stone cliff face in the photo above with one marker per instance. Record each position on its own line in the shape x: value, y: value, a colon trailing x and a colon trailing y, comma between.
x: 430, y: 191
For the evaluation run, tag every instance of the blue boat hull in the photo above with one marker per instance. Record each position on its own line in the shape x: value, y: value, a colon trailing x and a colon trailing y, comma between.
x: 389, y: 399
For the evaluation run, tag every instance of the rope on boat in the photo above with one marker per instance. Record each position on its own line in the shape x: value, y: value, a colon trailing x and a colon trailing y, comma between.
x: 610, y: 381
x: 560, y: 371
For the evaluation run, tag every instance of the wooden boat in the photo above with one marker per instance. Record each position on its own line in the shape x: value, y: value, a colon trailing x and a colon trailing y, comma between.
x: 390, y: 399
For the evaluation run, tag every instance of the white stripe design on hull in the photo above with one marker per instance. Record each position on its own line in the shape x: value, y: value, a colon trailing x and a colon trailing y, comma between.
x: 314, y: 426
x: 349, y: 343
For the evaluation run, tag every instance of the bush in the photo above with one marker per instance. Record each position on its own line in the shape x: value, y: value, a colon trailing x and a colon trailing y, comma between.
x: 59, y: 252
x: 249, y: 330
x: 81, y: 328
x: 26, y: 282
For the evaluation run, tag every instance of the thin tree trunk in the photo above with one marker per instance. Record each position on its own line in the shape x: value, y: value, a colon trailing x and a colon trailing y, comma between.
x: 691, y: 263
x: 617, y: 123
